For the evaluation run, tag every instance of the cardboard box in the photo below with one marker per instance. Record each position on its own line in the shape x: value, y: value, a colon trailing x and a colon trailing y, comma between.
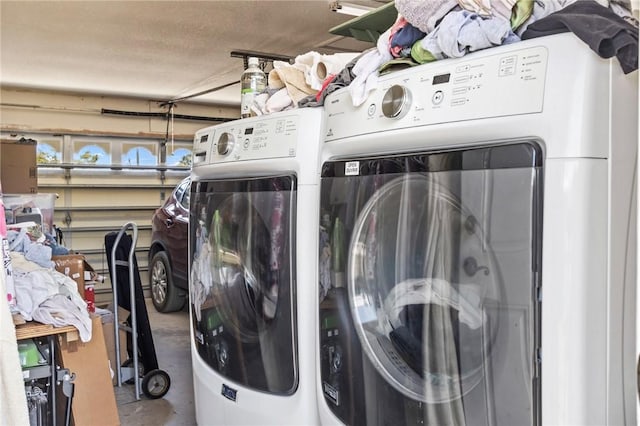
x: 18, y: 166
x: 76, y: 267
x: 72, y: 265
x: 94, y: 401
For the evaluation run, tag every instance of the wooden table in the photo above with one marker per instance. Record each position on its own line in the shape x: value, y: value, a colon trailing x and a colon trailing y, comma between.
x: 31, y: 329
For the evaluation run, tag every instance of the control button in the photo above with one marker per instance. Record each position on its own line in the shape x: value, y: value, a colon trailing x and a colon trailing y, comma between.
x: 462, y: 68
x: 458, y: 102
x: 437, y: 97
x: 460, y: 90
x: 371, y: 110
x: 246, y: 143
x: 508, y: 66
x: 461, y: 79
x: 225, y: 143
x: 396, y: 101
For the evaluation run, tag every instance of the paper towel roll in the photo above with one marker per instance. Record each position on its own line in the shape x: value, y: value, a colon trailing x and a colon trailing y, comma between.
x: 317, y: 67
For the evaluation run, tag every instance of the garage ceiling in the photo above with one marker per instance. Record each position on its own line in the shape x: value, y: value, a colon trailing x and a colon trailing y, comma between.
x: 157, y: 50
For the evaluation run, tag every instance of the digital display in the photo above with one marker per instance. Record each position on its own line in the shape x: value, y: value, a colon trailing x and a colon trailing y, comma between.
x: 248, y: 131
x: 204, y: 138
x: 442, y: 78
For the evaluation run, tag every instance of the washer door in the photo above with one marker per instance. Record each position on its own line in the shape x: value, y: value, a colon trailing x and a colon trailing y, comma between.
x: 429, y: 268
x: 242, y: 277
x: 246, y: 287
x: 420, y: 319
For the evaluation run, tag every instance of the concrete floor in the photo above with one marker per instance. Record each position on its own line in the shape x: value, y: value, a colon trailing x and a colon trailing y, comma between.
x: 172, y: 344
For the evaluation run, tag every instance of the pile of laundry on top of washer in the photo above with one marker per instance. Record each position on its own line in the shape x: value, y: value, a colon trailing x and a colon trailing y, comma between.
x: 289, y: 83
x: 431, y: 30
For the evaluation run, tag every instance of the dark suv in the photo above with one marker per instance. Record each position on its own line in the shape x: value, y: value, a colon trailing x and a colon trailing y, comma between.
x: 168, y: 253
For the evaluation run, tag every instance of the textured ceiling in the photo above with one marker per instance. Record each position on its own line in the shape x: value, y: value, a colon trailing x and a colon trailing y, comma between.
x: 158, y: 50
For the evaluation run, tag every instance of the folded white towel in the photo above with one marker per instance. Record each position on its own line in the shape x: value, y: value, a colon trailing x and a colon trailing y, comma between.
x: 291, y: 77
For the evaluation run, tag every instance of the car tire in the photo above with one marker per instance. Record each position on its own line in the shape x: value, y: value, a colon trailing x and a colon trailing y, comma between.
x: 165, y: 296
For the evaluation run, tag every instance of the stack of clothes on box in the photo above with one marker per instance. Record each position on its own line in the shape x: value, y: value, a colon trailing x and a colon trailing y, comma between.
x: 48, y: 296
x: 432, y: 30
x: 42, y: 293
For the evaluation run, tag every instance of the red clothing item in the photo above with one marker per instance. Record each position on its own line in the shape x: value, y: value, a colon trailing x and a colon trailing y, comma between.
x: 325, y: 83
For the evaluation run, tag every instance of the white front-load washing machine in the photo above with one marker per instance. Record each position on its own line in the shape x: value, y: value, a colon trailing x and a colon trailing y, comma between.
x: 477, y: 247
x: 252, y: 238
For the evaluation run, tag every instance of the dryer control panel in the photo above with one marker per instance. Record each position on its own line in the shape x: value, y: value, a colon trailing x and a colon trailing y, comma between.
x: 503, y: 81
x: 242, y: 140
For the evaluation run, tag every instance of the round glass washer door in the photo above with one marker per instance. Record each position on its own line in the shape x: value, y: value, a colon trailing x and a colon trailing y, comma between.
x: 420, y: 275
x: 245, y: 287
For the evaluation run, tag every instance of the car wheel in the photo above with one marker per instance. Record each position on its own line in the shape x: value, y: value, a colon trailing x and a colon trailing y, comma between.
x: 165, y: 297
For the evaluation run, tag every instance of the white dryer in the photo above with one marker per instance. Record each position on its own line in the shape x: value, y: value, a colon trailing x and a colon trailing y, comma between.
x: 253, y: 221
x: 477, y: 243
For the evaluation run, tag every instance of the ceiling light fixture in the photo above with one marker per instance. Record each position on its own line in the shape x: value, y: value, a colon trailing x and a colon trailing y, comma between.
x: 349, y: 8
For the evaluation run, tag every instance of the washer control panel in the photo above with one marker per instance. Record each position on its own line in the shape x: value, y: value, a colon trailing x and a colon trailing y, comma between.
x: 483, y: 86
x: 244, y: 140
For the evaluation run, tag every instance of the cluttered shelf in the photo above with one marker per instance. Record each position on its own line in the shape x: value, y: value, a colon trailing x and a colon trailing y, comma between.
x: 32, y: 329
x: 58, y: 329
x: 84, y: 364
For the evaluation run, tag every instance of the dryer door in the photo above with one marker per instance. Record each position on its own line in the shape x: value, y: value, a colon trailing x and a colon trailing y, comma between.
x: 428, y: 280
x: 242, y: 232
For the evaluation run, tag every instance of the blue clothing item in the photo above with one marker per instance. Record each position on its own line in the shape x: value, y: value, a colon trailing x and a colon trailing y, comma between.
x: 56, y: 249
x: 406, y: 36
x: 39, y: 254
x: 462, y: 32
x: 18, y: 240
x: 35, y: 252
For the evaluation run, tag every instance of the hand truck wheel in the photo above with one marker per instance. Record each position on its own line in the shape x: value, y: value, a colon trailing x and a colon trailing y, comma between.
x: 156, y: 383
